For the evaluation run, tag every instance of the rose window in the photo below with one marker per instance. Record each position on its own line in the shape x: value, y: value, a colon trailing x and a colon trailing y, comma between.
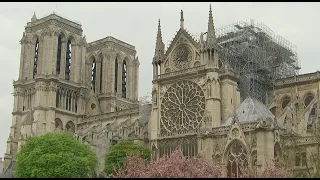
x: 182, y: 57
x: 182, y: 107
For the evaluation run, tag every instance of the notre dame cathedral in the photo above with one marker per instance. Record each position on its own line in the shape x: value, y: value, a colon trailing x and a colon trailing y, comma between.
x: 198, y: 102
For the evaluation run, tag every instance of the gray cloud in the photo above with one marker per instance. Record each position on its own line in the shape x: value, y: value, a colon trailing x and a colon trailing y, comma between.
x: 136, y: 24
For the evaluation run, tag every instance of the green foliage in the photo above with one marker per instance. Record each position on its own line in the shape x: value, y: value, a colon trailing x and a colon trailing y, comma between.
x: 55, y: 156
x: 117, y: 157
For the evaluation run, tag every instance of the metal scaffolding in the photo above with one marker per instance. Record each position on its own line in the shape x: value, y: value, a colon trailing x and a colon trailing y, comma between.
x: 258, y: 55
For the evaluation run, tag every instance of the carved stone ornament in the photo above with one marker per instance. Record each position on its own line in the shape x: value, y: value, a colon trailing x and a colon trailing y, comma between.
x: 182, y: 107
x: 182, y: 57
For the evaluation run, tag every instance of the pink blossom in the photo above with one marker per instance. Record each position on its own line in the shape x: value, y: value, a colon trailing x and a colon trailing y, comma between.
x: 174, y: 166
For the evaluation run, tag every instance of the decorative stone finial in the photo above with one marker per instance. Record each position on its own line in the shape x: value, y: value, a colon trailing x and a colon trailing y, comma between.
x: 34, y: 17
x: 181, y: 20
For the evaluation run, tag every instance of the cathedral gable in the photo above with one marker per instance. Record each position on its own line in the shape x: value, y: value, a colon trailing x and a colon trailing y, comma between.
x: 237, y: 134
x: 92, y: 105
x: 183, y: 53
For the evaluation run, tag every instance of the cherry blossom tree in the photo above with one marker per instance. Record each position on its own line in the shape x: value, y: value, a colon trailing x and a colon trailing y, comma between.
x: 178, y: 166
x: 174, y: 166
x: 271, y: 171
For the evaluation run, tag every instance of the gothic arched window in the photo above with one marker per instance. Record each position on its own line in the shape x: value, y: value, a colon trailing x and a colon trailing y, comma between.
x: 236, y: 159
x: 124, y: 79
x: 93, y: 75
x: 101, y: 69
x: 116, y: 76
x: 36, y: 57
x: 59, y: 54
x: 68, y: 60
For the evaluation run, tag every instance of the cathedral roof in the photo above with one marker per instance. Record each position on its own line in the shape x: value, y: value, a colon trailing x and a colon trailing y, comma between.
x: 251, y: 110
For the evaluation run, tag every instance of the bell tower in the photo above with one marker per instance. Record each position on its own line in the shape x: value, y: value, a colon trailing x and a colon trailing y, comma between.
x: 47, y: 92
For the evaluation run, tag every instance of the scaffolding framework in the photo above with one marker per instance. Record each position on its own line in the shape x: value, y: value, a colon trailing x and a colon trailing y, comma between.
x: 258, y: 55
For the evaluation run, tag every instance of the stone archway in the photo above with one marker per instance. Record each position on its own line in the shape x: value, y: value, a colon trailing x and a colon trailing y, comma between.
x: 70, y: 127
x: 58, y: 126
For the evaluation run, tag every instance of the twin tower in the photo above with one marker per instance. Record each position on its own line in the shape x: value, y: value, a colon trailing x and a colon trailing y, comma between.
x: 63, y: 79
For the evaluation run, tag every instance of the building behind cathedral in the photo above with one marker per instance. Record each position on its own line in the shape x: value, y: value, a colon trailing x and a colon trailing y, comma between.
x: 233, y: 94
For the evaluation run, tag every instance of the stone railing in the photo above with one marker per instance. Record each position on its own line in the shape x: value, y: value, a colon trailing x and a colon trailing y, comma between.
x: 184, y: 71
x: 299, y: 78
x: 184, y: 133
x: 125, y: 112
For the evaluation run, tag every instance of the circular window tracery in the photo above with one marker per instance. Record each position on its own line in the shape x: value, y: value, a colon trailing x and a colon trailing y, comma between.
x: 182, y: 107
x: 182, y: 56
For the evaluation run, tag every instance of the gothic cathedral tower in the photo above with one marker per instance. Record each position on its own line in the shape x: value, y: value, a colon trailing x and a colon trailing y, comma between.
x: 192, y: 91
x: 48, y: 95
x: 64, y: 81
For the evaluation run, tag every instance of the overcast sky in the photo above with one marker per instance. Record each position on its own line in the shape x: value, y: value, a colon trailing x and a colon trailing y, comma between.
x: 136, y: 24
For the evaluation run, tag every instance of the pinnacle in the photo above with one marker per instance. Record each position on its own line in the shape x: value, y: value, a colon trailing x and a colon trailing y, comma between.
x: 34, y: 17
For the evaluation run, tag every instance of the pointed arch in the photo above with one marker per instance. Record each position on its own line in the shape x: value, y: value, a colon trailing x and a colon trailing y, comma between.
x: 93, y: 73
x: 72, y: 38
x: 36, y: 58
x: 236, y: 157
x: 58, y: 125
x: 101, y: 59
x: 59, y: 52
x: 124, y: 78
x: 70, y: 127
x: 116, y: 75
x: 68, y: 58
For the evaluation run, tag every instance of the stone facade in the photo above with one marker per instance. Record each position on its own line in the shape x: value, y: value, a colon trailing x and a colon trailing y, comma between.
x: 67, y: 84
x: 196, y: 105
x: 1, y: 165
x: 91, y: 89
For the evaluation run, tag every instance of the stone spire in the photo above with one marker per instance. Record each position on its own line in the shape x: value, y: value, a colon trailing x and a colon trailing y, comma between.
x: 34, y: 17
x: 159, y: 50
x: 211, y: 35
x: 181, y: 20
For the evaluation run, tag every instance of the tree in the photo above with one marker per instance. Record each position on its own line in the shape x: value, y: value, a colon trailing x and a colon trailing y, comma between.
x: 118, y: 155
x: 178, y: 166
x: 55, y: 156
x: 174, y: 166
x: 271, y: 171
